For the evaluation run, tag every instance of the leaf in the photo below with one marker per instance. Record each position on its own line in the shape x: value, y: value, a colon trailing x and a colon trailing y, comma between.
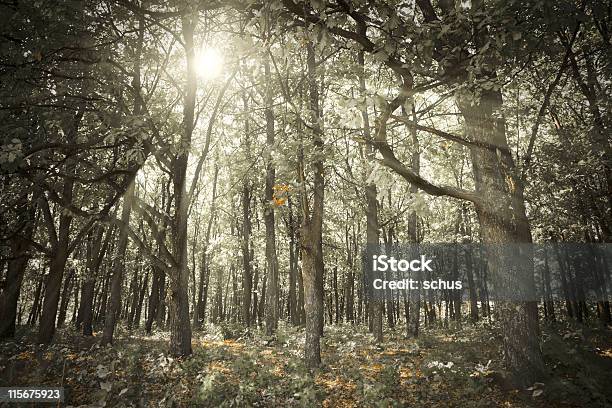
x: 537, y: 393
x: 102, y: 371
x: 123, y: 391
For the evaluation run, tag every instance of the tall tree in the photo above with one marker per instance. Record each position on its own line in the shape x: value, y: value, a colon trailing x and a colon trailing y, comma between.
x: 112, y: 309
x: 269, y: 205
x: 312, y: 224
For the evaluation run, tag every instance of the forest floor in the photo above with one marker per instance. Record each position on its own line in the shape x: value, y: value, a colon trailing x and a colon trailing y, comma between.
x: 457, y: 367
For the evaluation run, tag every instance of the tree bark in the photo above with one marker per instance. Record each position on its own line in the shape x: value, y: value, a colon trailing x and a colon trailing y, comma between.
x: 200, y: 309
x: 65, y: 300
x: 180, y: 325
x: 37, y: 296
x: 46, y: 330
x: 114, y: 304
x: 247, y: 273
x: 372, y: 236
x: 9, y: 297
x: 503, y: 220
x: 293, y: 268
x: 269, y: 205
x: 312, y: 224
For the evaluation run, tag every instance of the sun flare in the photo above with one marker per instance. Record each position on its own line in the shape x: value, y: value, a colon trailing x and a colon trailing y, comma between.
x: 209, y: 63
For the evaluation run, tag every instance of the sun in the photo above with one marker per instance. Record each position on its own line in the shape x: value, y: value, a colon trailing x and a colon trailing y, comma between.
x: 209, y: 63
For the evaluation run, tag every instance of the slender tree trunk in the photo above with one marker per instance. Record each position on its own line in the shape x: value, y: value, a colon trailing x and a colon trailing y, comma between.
x: 255, y: 307
x: 247, y: 273
x: 153, y: 299
x: 300, y: 278
x: 114, y: 304
x: 37, y: 297
x: 414, y: 304
x: 550, y: 305
x: 65, y: 300
x: 103, y: 297
x: 269, y: 205
x: 469, y: 268
x: 76, y: 303
x: 141, y: 296
x: 292, y: 298
x: 134, y: 293
x: 336, y: 297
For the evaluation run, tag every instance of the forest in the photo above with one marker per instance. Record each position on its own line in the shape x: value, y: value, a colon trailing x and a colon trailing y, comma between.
x: 192, y: 193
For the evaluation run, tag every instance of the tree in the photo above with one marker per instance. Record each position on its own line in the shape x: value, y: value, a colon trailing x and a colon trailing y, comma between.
x: 312, y: 225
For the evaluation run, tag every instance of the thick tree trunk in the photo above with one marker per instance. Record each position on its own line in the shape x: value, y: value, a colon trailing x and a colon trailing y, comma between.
x: 372, y: 237
x: 503, y: 221
x: 114, y: 304
x: 46, y: 330
x: 312, y: 224
x: 180, y: 325
x: 9, y: 297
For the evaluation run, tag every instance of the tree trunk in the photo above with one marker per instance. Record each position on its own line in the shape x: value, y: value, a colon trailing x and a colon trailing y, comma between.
x: 247, y: 274
x: 135, y: 293
x: 312, y: 225
x: 372, y: 238
x: 9, y: 297
x: 269, y: 205
x: 65, y: 300
x: 143, y: 291
x: 414, y: 304
x: 46, y: 330
x: 37, y: 296
x: 180, y: 325
x: 548, y: 293
x: 114, y: 304
x: 293, y: 268
x: 503, y: 220
x: 153, y: 299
